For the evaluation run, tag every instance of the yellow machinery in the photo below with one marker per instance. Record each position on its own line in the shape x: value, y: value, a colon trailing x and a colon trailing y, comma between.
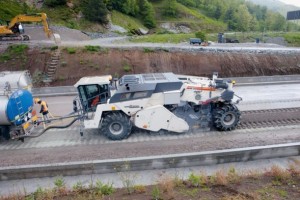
x: 15, y: 31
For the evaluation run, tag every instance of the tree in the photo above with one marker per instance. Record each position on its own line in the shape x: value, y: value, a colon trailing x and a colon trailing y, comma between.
x: 147, y: 13
x: 53, y: 3
x: 243, y: 18
x: 95, y: 10
x: 170, y: 8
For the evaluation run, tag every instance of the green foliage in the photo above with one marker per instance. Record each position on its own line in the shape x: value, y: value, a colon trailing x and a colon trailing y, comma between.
x: 53, y: 48
x: 127, y: 68
x: 196, y: 180
x: 148, y: 50
x: 95, y: 10
x: 156, y: 195
x: 18, y: 48
x: 92, y: 48
x: 170, y: 8
x: 147, y: 13
x: 293, y: 39
x: 201, y: 35
x: 163, y: 38
x: 127, y: 22
x: 14, y: 51
x: 71, y: 50
x: 59, y: 182
x: 54, y: 3
x: 12, y: 8
x: 105, y: 189
x: 79, y: 187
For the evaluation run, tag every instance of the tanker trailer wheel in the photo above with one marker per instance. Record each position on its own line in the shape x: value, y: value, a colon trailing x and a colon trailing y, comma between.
x: 4, y: 132
x: 116, y: 126
x: 226, y: 117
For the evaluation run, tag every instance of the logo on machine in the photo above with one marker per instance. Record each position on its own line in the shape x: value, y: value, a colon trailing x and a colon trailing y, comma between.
x: 132, y: 106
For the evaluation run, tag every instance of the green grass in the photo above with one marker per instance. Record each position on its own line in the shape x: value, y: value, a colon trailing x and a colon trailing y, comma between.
x: 92, y: 48
x: 11, y: 8
x: 127, y: 22
x: 293, y: 39
x: 189, y: 17
x: 163, y: 38
x: 14, y: 51
x: 71, y: 50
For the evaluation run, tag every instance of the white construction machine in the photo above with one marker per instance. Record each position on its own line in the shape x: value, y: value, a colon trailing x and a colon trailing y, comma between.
x: 155, y: 102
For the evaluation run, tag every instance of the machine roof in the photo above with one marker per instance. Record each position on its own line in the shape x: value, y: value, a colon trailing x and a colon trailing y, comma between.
x: 89, y: 80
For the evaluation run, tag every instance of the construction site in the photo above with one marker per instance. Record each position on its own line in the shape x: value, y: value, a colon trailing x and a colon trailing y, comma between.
x: 118, y: 111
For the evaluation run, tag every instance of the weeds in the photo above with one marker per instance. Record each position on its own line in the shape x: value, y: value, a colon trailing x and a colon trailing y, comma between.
x: 139, y: 189
x: 92, y: 48
x: 71, y: 50
x: 78, y: 187
x: 279, y: 175
x: 104, y: 189
x: 221, y: 178
x: 53, y: 48
x: 232, y: 176
x: 127, y: 68
x: 127, y: 178
x: 148, y: 50
x: 167, y: 185
x: 156, y: 193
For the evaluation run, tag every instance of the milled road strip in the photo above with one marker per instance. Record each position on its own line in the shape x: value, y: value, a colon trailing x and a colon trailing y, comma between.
x: 70, y: 137
x: 151, y: 162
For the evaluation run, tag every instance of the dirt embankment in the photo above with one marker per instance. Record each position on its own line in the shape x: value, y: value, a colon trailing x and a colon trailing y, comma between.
x: 117, y: 62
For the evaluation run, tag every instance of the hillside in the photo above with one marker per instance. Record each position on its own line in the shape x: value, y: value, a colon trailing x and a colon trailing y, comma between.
x: 276, y: 6
x: 158, y: 16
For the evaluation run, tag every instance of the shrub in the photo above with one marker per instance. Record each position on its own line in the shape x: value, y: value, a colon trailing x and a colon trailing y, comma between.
x: 155, y: 193
x: 201, y: 35
x: 167, y: 184
x: 127, y: 68
x: 71, y: 50
x: 279, y: 174
x: 92, y: 48
x: 220, y: 178
x: 139, y: 189
x: 53, y: 48
x: 232, y: 176
x: 148, y: 50
x: 195, y: 180
x: 54, y: 3
x: 105, y: 189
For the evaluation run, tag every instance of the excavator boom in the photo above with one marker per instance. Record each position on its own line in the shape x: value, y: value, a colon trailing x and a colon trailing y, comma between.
x: 8, y: 31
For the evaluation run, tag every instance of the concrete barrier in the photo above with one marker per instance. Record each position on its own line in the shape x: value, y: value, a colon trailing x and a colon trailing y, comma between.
x: 150, y: 163
x: 240, y: 81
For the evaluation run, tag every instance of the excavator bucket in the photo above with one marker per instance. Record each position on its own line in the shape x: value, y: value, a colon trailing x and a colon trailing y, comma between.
x: 56, y: 38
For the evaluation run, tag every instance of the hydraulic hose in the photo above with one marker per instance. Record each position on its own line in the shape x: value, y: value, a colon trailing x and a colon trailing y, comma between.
x: 46, y: 129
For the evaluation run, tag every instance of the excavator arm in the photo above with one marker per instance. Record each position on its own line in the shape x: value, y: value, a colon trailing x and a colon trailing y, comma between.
x: 6, y: 31
x: 39, y: 17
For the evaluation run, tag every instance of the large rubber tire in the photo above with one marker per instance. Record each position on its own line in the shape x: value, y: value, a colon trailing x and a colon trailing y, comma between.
x: 226, y: 117
x: 116, y: 126
x: 4, y: 132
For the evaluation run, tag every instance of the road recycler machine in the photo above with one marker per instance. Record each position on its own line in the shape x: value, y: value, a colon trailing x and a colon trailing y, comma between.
x: 155, y: 102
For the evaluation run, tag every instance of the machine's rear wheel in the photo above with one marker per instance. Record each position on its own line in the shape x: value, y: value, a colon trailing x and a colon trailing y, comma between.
x: 116, y: 126
x: 226, y: 117
x: 4, y: 132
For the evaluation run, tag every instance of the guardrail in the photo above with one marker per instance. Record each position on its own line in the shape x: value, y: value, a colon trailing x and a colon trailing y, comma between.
x: 150, y: 163
x: 240, y: 81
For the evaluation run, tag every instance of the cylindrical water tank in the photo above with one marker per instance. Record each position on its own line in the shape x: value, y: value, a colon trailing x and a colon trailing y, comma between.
x: 14, y: 109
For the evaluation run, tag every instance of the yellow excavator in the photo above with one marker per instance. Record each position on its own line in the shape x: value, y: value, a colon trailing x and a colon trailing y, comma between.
x: 14, y: 29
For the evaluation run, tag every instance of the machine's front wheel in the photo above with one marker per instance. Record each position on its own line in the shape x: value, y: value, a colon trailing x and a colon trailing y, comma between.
x: 226, y: 117
x: 4, y: 132
x: 116, y: 126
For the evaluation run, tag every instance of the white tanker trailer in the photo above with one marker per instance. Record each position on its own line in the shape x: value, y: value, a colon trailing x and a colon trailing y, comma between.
x: 16, y: 103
